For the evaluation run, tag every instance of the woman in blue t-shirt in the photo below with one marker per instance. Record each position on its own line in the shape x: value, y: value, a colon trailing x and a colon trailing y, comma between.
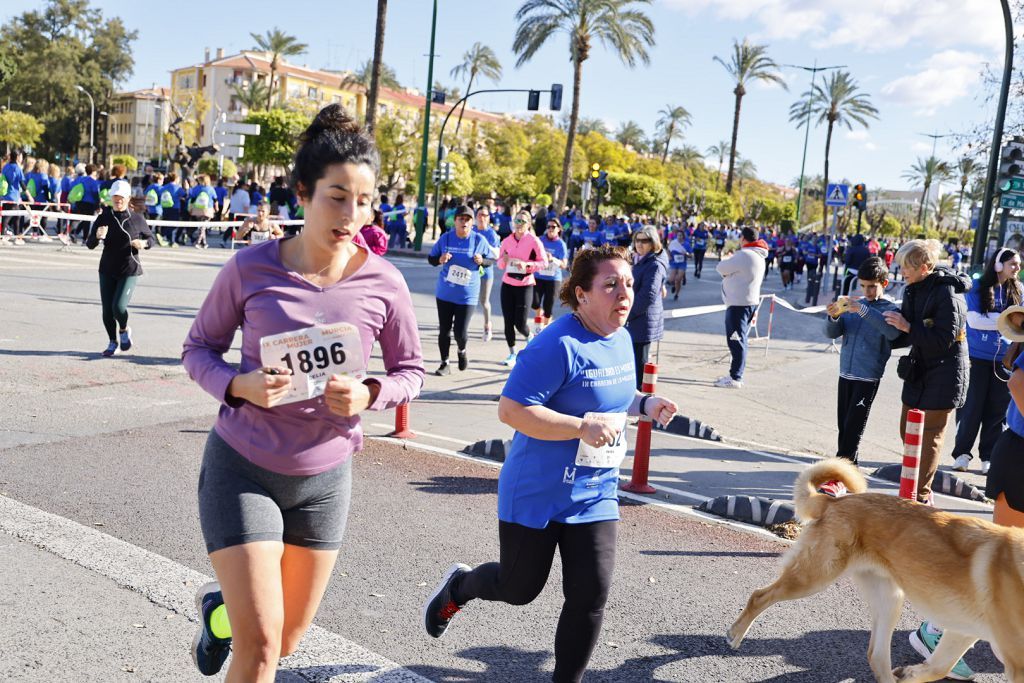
x: 568, y: 398
x: 460, y: 253
x: 550, y: 276
x: 987, y: 397
x: 485, y: 229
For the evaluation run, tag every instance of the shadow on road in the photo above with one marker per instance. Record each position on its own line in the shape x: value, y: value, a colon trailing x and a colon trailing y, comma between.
x: 128, y: 357
x: 503, y: 664
x: 709, y: 553
x: 458, y: 485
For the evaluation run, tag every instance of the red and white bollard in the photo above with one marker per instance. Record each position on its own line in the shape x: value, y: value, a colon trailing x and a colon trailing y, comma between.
x: 642, y: 451
x: 911, y: 454
x: 402, y: 430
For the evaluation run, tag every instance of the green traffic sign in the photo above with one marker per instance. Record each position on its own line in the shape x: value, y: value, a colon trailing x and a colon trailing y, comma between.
x: 1012, y: 185
x: 1011, y: 202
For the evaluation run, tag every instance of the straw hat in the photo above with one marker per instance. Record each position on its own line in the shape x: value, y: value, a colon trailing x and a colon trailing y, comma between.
x: 1008, y: 329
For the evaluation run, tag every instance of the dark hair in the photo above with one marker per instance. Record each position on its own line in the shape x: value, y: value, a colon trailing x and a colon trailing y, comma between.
x: 333, y: 137
x: 990, y: 280
x: 873, y: 270
x: 584, y: 270
x: 89, y: 169
x: 749, y: 234
x: 399, y: 198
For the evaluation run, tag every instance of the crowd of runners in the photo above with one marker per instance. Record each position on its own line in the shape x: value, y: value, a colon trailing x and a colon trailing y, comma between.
x: 275, y: 482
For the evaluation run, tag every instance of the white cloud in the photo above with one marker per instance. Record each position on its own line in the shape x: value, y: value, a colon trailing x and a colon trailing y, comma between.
x: 858, y: 134
x: 938, y: 82
x: 870, y: 147
x: 922, y: 147
x: 869, y: 25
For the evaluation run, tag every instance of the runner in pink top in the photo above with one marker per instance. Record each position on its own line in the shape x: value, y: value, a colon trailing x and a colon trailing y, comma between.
x: 521, y: 255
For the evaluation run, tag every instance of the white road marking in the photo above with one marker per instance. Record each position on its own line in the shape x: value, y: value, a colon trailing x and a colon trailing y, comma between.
x: 171, y: 586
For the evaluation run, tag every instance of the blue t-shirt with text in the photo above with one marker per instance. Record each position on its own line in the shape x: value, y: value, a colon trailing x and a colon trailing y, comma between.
x: 556, y: 249
x: 450, y: 287
x: 572, y: 371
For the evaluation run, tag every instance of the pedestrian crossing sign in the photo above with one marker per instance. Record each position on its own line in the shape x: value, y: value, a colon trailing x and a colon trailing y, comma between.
x: 837, y: 195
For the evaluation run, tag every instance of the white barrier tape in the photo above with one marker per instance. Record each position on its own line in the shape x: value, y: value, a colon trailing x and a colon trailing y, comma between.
x: 695, y: 310
x: 157, y: 223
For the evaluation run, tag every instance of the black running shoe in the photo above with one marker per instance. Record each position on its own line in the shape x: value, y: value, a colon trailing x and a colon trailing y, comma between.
x: 463, y: 360
x: 208, y: 651
x: 440, y: 607
x: 443, y: 370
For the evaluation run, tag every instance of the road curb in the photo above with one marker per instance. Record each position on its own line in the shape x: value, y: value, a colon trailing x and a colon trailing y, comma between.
x: 491, y: 449
x: 944, y: 482
x: 687, y: 426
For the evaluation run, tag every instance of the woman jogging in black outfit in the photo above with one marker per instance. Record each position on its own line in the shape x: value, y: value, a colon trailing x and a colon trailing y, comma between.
x: 124, y: 234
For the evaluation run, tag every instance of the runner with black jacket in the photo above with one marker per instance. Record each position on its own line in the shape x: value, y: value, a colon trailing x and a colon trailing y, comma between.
x: 124, y: 234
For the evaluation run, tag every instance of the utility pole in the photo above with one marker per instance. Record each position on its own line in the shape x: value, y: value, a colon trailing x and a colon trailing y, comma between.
x: 935, y: 138
x: 92, y: 119
x: 421, y: 199
x: 807, y: 132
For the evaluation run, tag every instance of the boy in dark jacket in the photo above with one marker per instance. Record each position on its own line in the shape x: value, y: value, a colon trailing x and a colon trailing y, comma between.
x: 867, y: 345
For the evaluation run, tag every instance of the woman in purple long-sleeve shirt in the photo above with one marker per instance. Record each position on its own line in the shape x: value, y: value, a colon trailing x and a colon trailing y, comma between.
x: 276, y: 475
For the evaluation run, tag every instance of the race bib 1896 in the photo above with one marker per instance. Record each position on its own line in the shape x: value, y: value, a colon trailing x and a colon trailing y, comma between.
x: 313, y: 354
x: 609, y: 455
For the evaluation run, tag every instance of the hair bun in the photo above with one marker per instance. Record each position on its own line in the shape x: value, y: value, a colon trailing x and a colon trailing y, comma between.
x: 333, y: 118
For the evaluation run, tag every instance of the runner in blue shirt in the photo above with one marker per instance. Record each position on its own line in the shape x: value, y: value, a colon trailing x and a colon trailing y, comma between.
x: 202, y: 202
x: 678, y: 254
x: 700, y: 248
x: 171, y: 195
x: 588, y: 239
x: 568, y: 399
x: 394, y: 224
x: 1005, y: 483
x: 485, y: 227
x: 460, y: 253
x: 550, y: 277
x: 720, y: 236
x: 13, y: 179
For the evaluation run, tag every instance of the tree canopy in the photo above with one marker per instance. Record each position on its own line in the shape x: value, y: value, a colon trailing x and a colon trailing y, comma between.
x: 50, y: 50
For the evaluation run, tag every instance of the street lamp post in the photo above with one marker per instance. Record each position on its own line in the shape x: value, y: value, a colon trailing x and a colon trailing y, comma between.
x: 421, y: 200
x: 935, y: 139
x: 981, y: 236
x: 106, y: 133
x: 92, y: 119
x: 807, y: 133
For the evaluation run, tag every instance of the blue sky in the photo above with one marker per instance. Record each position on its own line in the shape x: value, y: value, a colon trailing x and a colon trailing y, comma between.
x: 919, y: 61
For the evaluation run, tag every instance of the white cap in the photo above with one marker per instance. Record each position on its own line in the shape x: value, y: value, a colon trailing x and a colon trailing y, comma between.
x: 121, y: 188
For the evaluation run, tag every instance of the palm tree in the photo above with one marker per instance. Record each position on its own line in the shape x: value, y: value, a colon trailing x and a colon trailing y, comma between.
x: 630, y: 134
x: 687, y: 155
x: 618, y: 24
x: 378, y: 62
x: 967, y: 167
x: 253, y: 97
x: 363, y: 77
x: 926, y: 171
x: 478, y: 60
x: 748, y: 63
x: 589, y: 125
x: 944, y: 208
x: 279, y: 44
x: 745, y: 170
x: 721, y: 150
x: 836, y: 102
x: 672, y: 121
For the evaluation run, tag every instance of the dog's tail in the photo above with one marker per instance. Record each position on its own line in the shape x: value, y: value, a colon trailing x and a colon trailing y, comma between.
x: 810, y: 502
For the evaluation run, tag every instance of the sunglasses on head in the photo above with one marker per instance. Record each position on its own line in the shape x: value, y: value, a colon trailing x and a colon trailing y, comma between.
x: 643, y: 239
x: 554, y: 226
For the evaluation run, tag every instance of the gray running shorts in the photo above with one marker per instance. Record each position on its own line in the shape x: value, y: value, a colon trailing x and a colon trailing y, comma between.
x: 240, y: 502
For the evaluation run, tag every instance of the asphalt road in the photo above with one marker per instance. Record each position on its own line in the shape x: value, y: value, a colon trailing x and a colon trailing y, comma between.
x: 117, y: 442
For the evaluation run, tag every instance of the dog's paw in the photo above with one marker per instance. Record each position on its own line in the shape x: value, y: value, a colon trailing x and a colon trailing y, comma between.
x: 734, y: 638
x: 907, y: 674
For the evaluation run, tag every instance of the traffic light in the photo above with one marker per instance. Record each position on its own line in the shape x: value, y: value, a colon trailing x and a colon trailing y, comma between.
x: 556, y: 97
x: 1011, y: 165
x: 860, y: 197
x: 533, y: 100
x: 595, y: 171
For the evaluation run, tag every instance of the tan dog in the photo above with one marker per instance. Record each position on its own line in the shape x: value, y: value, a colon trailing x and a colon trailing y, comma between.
x: 963, y: 574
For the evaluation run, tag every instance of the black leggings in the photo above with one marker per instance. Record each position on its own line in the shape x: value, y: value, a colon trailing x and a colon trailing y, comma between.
x: 544, y: 296
x: 588, y: 560
x: 449, y: 314
x: 698, y: 261
x: 515, y: 309
x: 115, y: 295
